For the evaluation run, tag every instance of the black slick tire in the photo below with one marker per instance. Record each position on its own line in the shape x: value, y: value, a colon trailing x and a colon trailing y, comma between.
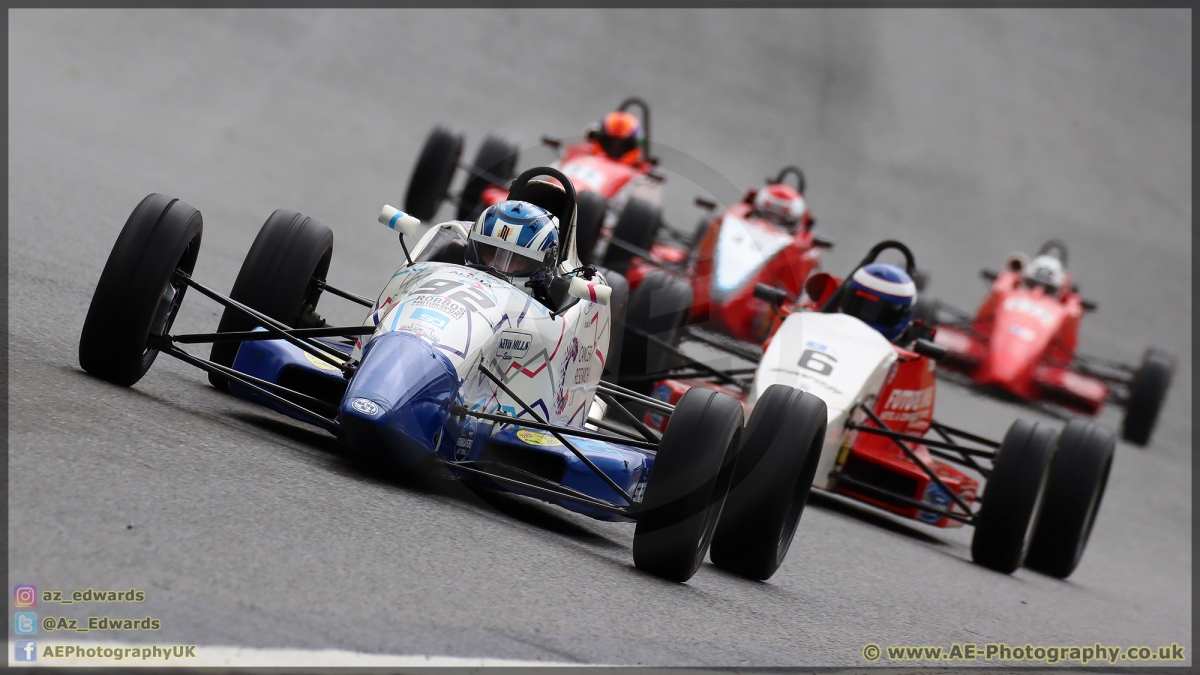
x: 1012, y: 495
x: 775, y: 469
x: 688, y: 482
x: 658, y: 307
x: 432, y: 173
x: 138, y: 294
x: 1147, y: 391
x: 637, y: 225
x: 589, y: 218
x: 1078, y: 476
x: 278, y: 278
x: 497, y: 157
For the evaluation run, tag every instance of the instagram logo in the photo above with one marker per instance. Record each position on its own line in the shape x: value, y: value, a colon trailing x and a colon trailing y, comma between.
x: 25, y: 596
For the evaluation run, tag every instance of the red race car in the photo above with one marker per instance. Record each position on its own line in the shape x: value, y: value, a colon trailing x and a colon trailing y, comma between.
x: 882, y: 445
x: 1021, y: 345
x: 614, y: 175
x: 765, y: 238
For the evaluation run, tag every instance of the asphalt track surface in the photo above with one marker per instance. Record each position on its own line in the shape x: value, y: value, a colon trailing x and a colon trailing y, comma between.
x: 967, y: 134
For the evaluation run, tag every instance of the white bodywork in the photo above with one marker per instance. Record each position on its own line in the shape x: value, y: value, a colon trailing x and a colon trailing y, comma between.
x: 835, y: 356
x: 553, y: 363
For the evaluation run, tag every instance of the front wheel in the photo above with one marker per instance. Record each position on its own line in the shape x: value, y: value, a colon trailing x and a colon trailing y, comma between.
x: 278, y: 278
x: 1146, y: 394
x: 693, y: 468
x: 1074, y: 489
x: 774, y: 475
x: 431, y: 175
x: 637, y: 225
x: 139, y: 292
x: 1012, y: 495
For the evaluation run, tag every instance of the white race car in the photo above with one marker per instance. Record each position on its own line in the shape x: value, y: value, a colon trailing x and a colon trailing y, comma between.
x: 1043, y: 487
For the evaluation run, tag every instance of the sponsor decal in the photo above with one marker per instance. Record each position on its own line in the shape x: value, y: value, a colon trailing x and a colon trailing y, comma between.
x: 537, y: 438
x: 321, y: 363
x: 1030, y: 307
x: 1022, y: 332
x: 910, y: 399
x: 365, y: 406
x: 466, y: 441
x: 639, y: 490
x: 934, y: 496
x: 429, y: 316
x: 460, y: 291
x: 436, y: 302
x: 513, y: 345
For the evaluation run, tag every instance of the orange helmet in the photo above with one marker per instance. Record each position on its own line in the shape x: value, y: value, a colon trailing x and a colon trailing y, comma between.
x: 781, y: 204
x: 620, y: 136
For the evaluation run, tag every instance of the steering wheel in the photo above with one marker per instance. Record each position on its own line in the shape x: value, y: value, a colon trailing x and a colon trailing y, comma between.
x: 793, y: 170
x: 1055, y: 247
x: 910, y: 267
x: 645, y: 108
x: 518, y: 187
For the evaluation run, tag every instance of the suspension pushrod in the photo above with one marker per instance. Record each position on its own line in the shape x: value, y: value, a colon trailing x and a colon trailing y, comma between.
x: 854, y: 482
x: 628, y: 394
x: 963, y: 457
x: 964, y: 435
x: 896, y: 435
x: 631, y: 418
x: 533, y: 424
x: 561, y: 439
x: 327, y: 354
x: 687, y: 360
x: 254, y: 383
x: 321, y: 284
x: 613, y: 428
x: 916, y: 460
x: 646, y: 256
x: 252, y: 335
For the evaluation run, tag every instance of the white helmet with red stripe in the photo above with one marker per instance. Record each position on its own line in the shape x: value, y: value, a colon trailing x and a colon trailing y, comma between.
x: 781, y: 204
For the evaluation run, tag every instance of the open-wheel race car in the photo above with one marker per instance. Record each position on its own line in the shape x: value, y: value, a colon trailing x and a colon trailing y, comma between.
x: 1021, y: 345
x: 884, y: 448
x: 766, y: 238
x: 462, y: 369
x: 617, y: 184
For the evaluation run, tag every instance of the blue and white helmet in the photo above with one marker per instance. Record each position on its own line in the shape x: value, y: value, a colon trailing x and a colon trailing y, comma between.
x: 515, y: 238
x: 882, y: 296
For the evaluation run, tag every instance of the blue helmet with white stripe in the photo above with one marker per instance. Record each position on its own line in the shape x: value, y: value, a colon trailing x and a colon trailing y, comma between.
x: 882, y: 296
x: 514, y: 238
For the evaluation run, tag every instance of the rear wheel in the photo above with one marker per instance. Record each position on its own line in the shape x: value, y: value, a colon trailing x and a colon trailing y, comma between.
x: 1146, y: 394
x: 637, y: 225
x: 1012, y: 495
x: 496, y: 157
x: 431, y: 175
x: 926, y: 310
x: 1074, y: 489
x: 278, y: 278
x: 774, y: 475
x: 589, y: 218
x: 692, y: 471
x: 618, y: 305
x: 138, y: 294
x: 658, y: 307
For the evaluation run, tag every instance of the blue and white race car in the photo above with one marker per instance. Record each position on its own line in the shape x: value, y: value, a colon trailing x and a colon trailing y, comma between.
x: 458, y: 370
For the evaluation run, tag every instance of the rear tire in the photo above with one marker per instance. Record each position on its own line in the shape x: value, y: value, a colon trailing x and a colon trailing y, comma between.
x: 637, y: 225
x: 618, y: 305
x: 692, y: 471
x: 431, y: 175
x: 1074, y: 489
x: 1012, y: 495
x: 774, y: 475
x: 659, y: 306
x: 137, y: 295
x: 926, y: 310
x: 497, y: 157
x: 590, y: 208
x: 277, y: 278
x: 1146, y: 394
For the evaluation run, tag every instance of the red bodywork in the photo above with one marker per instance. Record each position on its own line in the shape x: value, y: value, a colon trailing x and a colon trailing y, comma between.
x: 727, y: 300
x: 1022, y: 341
x: 589, y: 169
x: 904, y: 404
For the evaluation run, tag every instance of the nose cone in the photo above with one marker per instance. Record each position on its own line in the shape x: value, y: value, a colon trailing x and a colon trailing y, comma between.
x: 397, y: 405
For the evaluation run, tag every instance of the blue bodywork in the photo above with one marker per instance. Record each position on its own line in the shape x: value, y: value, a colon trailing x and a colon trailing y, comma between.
x: 398, y: 406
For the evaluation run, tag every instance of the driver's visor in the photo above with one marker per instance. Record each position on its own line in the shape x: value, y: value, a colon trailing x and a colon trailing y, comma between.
x: 875, y: 308
x: 507, y: 257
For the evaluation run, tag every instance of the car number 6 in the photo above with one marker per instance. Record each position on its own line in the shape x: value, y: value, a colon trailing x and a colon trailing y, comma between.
x: 809, y: 361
